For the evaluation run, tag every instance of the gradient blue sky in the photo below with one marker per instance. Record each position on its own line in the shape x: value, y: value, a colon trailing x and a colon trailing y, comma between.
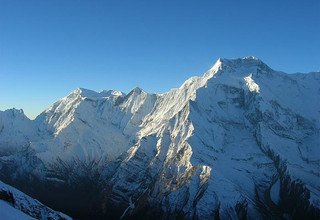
x: 50, y: 47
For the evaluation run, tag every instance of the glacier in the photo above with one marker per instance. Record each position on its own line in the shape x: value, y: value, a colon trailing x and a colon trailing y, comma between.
x: 241, y: 141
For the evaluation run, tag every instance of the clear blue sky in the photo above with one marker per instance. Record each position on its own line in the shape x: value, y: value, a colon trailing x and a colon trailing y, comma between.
x: 50, y: 47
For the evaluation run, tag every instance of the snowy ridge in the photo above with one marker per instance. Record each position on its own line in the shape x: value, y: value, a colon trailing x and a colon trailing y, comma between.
x: 16, y: 205
x: 241, y: 140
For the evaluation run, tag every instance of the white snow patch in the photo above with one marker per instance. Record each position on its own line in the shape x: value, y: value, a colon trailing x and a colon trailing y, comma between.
x: 253, y: 87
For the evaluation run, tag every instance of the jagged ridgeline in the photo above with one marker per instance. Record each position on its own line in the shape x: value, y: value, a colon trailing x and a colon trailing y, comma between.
x: 241, y: 141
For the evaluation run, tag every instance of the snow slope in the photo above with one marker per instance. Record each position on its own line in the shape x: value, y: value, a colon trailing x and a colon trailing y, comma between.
x: 15, y: 205
x: 241, y: 140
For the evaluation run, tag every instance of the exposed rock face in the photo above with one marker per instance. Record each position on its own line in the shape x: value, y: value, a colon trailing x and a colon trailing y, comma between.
x: 241, y: 141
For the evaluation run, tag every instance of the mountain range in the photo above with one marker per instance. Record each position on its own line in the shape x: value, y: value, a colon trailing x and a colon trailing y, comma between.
x: 240, y: 142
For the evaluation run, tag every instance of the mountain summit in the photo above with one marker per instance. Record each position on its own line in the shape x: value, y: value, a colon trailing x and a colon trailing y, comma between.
x: 241, y: 141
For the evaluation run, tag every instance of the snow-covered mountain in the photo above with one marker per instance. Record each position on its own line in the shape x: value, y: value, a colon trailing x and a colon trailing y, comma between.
x: 240, y: 141
x: 15, y: 205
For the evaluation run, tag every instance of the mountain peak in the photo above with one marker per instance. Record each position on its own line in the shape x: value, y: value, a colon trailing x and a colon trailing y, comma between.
x: 242, y: 62
x: 14, y: 112
x: 240, y: 66
x: 111, y: 93
x: 247, y: 58
x: 85, y: 92
x: 250, y: 58
x: 137, y: 90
